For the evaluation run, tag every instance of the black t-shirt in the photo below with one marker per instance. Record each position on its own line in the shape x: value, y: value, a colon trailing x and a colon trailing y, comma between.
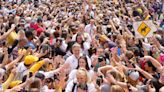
x: 156, y: 84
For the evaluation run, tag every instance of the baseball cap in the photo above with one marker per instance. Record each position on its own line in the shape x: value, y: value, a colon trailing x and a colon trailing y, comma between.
x: 105, y: 87
x: 2, y: 71
x: 29, y: 59
x: 134, y: 75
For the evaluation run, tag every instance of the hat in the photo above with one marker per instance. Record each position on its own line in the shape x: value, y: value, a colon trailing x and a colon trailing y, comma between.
x: 15, y: 83
x: 134, y: 75
x: 162, y: 57
x: 103, y: 38
x: 139, y: 10
x: 105, y: 87
x: 2, y: 71
x: 30, y: 59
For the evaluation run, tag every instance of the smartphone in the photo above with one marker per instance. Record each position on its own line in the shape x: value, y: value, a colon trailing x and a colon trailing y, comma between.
x: 119, y: 51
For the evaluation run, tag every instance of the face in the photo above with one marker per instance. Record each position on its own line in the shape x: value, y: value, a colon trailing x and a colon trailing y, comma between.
x: 82, y: 62
x: 81, y: 28
x: 81, y: 77
x: 146, y: 67
x: 92, y: 22
x: 102, y: 63
x: 99, y: 51
x: 22, y: 43
x: 79, y: 39
x: 76, y: 51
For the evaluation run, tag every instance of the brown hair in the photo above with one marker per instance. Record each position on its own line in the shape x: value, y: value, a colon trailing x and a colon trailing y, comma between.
x: 35, y: 85
x: 116, y: 88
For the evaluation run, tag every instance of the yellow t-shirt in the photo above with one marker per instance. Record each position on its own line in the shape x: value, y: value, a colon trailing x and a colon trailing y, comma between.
x: 11, y: 38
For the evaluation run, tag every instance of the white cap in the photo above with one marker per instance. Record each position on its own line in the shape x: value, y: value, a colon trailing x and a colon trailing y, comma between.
x: 2, y: 71
x: 134, y: 75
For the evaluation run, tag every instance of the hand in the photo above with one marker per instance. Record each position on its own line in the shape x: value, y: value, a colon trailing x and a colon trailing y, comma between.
x: 136, y: 68
x: 5, y: 51
x: 13, y: 26
x: 30, y: 80
x: 17, y: 88
x: 114, y: 51
x: 47, y: 60
x: 13, y: 70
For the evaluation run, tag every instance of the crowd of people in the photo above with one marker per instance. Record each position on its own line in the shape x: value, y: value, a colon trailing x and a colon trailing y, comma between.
x: 80, y: 46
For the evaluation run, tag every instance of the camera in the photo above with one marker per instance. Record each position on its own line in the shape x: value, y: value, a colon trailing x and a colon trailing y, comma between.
x: 99, y: 80
x: 100, y: 59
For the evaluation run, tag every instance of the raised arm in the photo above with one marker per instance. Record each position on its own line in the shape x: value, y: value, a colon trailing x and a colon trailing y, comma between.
x: 105, y: 68
x: 7, y: 33
x: 10, y: 65
x: 5, y: 85
x: 154, y: 62
x: 5, y: 59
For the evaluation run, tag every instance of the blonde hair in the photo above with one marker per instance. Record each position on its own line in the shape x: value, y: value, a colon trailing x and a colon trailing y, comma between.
x: 83, y: 71
x: 76, y: 45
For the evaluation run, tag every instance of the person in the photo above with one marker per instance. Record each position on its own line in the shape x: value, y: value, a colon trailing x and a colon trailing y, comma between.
x: 81, y: 84
x: 80, y: 46
x: 73, y: 59
x: 91, y: 28
x: 86, y: 36
x: 82, y: 63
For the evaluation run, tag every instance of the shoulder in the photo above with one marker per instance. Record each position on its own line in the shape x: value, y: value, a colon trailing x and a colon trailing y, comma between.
x: 91, y: 87
x: 73, y: 72
x: 69, y: 86
x: 70, y: 58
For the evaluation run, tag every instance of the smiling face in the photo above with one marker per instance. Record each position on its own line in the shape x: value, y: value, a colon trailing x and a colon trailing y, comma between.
x: 76, y: 51
x: 81, y: 76
x: 79, y: 39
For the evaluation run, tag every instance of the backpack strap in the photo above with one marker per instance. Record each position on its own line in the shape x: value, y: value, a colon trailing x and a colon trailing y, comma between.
x: 73, y: 88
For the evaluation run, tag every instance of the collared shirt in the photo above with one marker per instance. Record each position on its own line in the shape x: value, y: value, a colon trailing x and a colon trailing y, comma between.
x: 73, y: 62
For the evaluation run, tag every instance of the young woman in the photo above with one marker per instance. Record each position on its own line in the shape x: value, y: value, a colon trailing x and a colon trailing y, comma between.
x: 82, y: 63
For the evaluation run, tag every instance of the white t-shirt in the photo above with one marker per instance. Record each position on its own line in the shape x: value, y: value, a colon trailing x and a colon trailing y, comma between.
x: 86, y: 36
x: 73, y: 62
x: 91, y: 87
x: 90, y: 29
x: 46, y: 89
x: 21, y: 69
